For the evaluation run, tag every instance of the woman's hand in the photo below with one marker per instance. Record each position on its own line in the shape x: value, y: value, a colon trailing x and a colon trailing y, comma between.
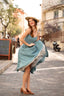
x: 32, y: 44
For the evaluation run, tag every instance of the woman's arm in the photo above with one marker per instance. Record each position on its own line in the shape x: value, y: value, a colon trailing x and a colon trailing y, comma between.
x: 37, y: 36
x: 24, y: 35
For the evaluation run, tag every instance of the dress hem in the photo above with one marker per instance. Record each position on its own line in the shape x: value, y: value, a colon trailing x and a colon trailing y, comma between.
x: 23, y: 68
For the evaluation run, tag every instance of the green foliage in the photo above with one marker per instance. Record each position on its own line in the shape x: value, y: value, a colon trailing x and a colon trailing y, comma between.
x: 7, y: 16
x: 6, y: 1
x: 14, y: 30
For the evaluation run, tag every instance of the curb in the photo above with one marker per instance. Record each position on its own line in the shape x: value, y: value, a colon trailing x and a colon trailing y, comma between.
x: 5, y: 64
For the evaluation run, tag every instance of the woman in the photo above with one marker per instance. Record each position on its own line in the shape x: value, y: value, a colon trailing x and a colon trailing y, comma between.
x: 30, y: 54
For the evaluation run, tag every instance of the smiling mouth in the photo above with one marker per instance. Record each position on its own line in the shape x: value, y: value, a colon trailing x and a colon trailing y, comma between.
x: 31, y: 23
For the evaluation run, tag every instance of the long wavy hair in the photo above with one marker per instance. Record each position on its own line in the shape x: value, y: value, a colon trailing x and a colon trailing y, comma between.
x: 31, y: 27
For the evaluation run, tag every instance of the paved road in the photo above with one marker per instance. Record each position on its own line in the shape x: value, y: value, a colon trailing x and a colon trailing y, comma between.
x: 48, y: 80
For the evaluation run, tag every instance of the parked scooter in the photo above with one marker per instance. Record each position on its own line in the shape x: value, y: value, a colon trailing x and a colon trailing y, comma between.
x: 56, y: 47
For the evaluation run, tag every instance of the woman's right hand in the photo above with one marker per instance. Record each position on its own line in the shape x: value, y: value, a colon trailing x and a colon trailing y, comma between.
x: 32, y: 44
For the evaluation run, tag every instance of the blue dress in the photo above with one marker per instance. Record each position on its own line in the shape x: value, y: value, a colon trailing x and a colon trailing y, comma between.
x: 33, y: 55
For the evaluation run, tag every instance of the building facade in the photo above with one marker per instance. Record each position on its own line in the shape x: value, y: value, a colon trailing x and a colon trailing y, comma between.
x: 53, y: 14
x: 20, y: 14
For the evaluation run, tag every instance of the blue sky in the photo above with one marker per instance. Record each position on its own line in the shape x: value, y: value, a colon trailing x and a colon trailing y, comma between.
x: 31, y: 7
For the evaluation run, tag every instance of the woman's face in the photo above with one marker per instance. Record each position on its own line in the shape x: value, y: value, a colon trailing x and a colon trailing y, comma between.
x: 31, y: 22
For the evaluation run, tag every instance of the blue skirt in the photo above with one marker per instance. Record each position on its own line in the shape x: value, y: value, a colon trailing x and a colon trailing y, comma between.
x: 31, y: 56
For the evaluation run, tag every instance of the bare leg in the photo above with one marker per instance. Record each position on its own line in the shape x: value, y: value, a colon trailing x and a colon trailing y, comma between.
x: 25, y: 77
x: 28, y: 82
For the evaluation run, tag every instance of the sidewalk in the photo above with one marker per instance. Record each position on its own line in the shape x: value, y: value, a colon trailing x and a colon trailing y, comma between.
x: 47, y: 80
x: 4, y: 64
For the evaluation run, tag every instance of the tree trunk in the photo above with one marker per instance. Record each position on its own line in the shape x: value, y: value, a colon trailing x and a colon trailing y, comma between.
x: 5, y: 32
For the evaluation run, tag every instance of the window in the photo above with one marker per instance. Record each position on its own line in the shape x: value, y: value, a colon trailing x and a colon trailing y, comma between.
x: 59, y: 28
x: 56, y: 14
x: 63, y: 12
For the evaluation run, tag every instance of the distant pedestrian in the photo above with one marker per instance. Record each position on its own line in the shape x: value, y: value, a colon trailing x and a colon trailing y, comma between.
x: 31, y: 53
x: 54, y: 43
x: 13, y: 39
x: 18, y: 42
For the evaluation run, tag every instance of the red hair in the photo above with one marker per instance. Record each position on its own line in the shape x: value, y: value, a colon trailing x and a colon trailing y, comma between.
x: 31, y: 26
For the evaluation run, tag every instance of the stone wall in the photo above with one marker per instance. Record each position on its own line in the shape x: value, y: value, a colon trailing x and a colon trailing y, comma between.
x: 49, y: 3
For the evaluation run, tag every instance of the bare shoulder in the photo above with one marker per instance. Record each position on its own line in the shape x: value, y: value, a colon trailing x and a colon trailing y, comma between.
x: 26, y: 33
x: 28, y: 30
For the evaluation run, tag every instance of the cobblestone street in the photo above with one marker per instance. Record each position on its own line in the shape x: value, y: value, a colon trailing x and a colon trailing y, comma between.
x: 47, y: 80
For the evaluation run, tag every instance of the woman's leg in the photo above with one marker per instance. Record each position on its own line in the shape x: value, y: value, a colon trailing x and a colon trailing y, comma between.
x: 25, y: 77
x: 28, y: 82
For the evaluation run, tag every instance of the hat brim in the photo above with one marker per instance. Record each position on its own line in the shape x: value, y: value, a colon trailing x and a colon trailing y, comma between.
x: 27, y: 18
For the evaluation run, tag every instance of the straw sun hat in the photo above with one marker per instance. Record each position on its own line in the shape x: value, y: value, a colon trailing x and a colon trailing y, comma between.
x: 27, y: 18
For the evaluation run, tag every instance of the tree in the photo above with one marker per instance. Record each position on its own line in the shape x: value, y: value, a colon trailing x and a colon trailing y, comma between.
x: 49, y: 28
x: 7, y: 17
x: 14, y: 30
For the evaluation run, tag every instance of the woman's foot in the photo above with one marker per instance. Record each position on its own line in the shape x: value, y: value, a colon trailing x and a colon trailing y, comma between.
x: 29, y: 91
x: 22, y: 90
